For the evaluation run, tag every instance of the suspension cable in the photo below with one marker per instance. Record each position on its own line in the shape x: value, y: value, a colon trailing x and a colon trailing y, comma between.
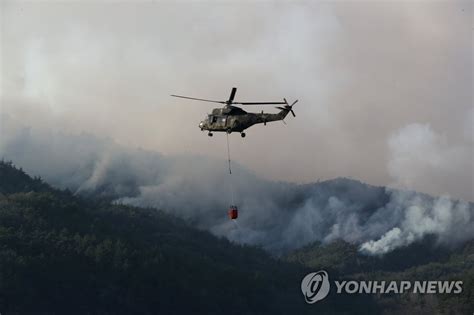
x: 228, y: 152
x: 230, y: 170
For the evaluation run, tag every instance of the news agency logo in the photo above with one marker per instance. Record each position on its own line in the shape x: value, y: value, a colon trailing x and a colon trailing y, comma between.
x: 315, y: 286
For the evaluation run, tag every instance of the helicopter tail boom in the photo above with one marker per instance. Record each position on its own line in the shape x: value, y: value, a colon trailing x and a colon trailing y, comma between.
x: 264, y: 118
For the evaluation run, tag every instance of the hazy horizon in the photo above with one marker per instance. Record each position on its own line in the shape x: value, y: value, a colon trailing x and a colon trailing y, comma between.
x: 384, y: 88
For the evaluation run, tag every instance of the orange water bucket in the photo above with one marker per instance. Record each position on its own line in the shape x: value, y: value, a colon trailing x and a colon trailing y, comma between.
x: 233, y: 212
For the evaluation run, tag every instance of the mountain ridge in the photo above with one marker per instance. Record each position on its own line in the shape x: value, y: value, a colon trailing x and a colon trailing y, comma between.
x: 131, y: 259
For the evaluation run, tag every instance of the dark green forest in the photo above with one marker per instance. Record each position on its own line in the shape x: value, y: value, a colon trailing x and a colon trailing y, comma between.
x: 66, y: 254
x: 419, y: 261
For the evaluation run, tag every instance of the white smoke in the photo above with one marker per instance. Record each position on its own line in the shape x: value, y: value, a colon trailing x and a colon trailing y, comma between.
x: 275, y: 215
x: 450, y: 221
x: 422, y: 159
x: 419, y: 155
x: 108, y: 68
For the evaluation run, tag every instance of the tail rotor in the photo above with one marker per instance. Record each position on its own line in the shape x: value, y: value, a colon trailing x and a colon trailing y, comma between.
x: 288, y: 107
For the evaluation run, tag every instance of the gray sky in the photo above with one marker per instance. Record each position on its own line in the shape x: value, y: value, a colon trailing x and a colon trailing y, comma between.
x: 385, y: 88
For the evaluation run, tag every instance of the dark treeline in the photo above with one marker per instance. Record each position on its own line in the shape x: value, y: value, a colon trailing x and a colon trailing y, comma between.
x: 420, y: 261
x: 63, y: 254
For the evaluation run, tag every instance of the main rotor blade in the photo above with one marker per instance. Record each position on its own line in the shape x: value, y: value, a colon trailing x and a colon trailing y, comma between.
x: 232, y: 95
x: 198, y: 99
x: 259, y: 103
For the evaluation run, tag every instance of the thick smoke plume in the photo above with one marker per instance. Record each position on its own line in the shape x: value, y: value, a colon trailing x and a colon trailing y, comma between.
x: 362, y: 72
x: 418, y: 216
x: 385, y: 94
x: 278, y: 216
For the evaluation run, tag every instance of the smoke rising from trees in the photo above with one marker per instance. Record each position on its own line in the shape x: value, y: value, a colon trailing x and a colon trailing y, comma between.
x: 385, y: 94
x: 363, y: 72
x: 278, y: 216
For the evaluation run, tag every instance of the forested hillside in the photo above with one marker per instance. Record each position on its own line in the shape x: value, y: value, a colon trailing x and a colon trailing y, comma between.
x: 423, y: 261
x: 61, y: 253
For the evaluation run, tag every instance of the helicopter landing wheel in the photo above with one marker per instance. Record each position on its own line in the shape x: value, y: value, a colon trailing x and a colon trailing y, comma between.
x: 242, y: 134
x: 210, y: 134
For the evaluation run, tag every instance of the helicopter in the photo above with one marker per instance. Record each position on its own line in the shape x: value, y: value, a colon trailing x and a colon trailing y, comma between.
x: 231, y: 118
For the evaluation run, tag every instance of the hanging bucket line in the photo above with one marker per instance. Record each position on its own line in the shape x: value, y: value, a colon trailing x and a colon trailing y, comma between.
x: 230, y: 171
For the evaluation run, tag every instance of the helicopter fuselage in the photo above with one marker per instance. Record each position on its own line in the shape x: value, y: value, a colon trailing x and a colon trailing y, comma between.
x: 235, y: 119
x: 232, y: 118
